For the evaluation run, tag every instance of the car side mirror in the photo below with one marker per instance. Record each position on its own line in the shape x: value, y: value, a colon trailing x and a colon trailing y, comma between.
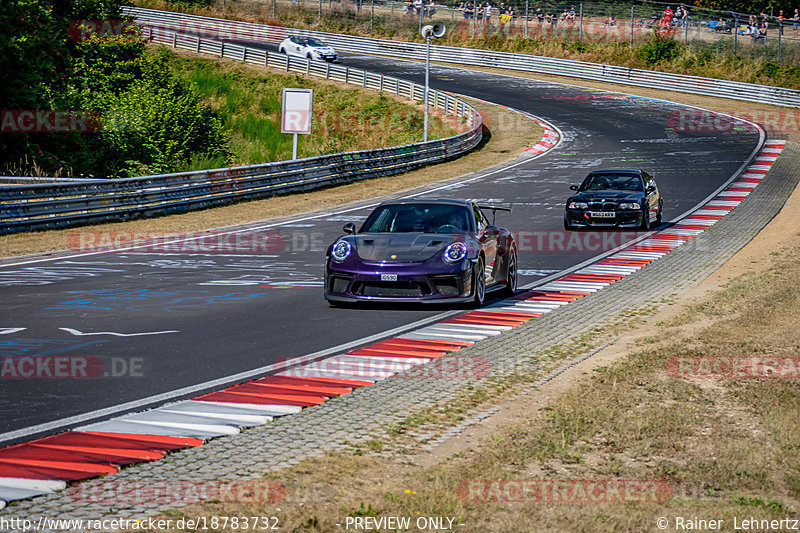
x: 573, y: 187
x: 350, y: 228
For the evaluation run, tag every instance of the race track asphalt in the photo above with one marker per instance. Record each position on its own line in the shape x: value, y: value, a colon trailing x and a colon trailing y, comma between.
x: 202, y: 315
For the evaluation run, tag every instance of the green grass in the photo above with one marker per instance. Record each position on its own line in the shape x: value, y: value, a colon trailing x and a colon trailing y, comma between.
x: 248, y: 101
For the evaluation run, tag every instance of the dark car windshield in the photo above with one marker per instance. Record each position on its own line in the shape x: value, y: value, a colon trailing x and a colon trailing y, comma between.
x: 418, y: 218
x: 314, y: 42
x: 613, y: 182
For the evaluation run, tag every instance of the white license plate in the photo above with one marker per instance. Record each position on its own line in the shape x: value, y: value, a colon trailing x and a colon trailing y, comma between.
x: 603, y: 214
x: 388, y: 277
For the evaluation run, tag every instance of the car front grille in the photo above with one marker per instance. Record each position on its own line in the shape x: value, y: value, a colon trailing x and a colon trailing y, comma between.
x: 392, y: 289
x: 339, y: 284
x: 447, y: 286
x: 602, y: 206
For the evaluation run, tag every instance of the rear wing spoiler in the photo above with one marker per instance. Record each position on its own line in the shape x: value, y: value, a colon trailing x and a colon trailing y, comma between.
x: 495, y: 208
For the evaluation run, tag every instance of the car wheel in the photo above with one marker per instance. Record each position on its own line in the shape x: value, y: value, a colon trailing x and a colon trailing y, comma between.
x: 660, y: 215
x: 646, y: 218
x: 478, y: 284
x: 511, y: 274
x: 308, y: 56
x: 282, y: 50
x: 567, y: 225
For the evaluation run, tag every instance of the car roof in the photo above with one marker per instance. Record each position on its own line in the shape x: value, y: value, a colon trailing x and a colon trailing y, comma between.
x: 634, y: 171
x: 418, y: 201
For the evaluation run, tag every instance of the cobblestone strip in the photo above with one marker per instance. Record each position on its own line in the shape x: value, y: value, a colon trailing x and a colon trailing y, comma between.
x: 368, y: 412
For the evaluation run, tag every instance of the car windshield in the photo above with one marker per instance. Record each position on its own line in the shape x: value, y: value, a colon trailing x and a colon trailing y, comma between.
x: 614, y: 182
x: 418, y: 218
x: 314, y: 42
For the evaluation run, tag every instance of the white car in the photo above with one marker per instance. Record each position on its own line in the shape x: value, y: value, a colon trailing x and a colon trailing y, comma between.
x: 307, y: 47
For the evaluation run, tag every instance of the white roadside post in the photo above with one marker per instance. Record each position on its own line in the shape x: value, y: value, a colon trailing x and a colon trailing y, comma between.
x: 296, y: 113
x: 429, y: 32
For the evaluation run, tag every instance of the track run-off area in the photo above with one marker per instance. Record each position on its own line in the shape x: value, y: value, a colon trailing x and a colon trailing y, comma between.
x: 124, y: 330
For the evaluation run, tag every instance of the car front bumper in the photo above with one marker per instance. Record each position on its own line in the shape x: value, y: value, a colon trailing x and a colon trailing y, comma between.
x: 399, y: 284
x: 621, y: 219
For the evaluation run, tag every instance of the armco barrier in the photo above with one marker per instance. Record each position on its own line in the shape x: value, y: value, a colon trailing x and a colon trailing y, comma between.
x: 74, y: 202
x: 231, y: 29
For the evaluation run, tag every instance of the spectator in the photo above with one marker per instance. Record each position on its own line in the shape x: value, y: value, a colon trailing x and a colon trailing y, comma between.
x: 564, y: 15
x: 796, y: 20
x: 430, y: 9
x: 610, y: 22
x: 685, y: 17
x: 488, y: 11
x: 469, y: 11
x: 417, y: 7
x: 540, y: 15
x: 571, y: 14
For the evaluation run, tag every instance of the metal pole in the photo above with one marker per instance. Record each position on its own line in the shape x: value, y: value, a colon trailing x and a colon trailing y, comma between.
x: 427, y: 79
x: 780, y: 36
x: 371, y: 14
x: 294, y: 146
x: 735, y: 33
x: 685, y: 24
x: 273, y: 9
x: 525, y: 30
x: 474, y: 18
x: 580, y: 23
x: 632, y: 15
x: 319, y: 12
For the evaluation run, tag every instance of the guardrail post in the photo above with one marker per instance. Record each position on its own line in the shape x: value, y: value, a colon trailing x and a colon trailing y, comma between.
x: 266, y: 58
x: 346, y: 75
x: 197, y: 48
x: 365, y: 79
x: 397, y: 86
x: 381, y: 84
x: 327, y: 71
x: 244, y: 55
x: 175, y: 40
x: 222, y: 49
x: 308, y: 66
x: 287, y: 62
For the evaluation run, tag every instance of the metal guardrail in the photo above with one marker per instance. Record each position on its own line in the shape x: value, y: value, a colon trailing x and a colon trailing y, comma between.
x: 31, y: 207
x: 230, y: 29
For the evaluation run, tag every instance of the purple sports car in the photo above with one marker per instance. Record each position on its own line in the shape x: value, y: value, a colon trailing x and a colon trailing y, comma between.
x: 421, y: 250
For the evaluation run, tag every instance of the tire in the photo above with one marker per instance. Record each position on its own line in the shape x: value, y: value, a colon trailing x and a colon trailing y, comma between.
x: 478, y: 284
x: 567, y: 226
x: 646, y: 219
x: 660, y: 216
x: 282, y: 51
x: 511, y: 274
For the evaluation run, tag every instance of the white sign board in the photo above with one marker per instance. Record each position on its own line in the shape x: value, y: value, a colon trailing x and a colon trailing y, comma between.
x: 296, y: 113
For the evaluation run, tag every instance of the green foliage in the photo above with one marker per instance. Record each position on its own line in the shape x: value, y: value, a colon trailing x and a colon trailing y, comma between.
x: 159, y: 125
x: 151, y: 120
x: 658, y: 49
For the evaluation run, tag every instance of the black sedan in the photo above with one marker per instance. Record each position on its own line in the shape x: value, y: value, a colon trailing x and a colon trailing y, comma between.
x: 419, y: 250
x: 619, y: 198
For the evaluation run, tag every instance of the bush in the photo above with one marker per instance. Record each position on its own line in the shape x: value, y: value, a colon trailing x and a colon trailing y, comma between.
x: 658, y: 49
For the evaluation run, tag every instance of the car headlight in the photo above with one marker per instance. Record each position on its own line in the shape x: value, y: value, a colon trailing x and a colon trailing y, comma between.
x: 455, y: 252
x: 578, y: 205
x: 340, y: 251
x: 629, y: 205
